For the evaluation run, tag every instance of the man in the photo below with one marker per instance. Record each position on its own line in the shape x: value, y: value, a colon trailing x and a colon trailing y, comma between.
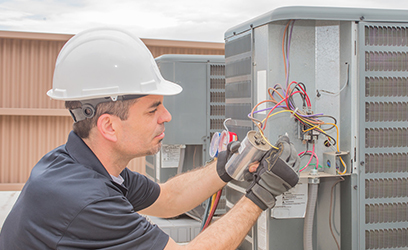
x: 81, y: 195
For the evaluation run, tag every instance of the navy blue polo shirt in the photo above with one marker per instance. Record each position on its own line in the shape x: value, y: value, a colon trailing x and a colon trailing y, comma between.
x: 71, y: 202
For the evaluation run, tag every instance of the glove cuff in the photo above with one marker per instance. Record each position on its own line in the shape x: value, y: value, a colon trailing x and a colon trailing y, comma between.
x: 222, y: 173
x: 261, y: 197
x: 250, y: 195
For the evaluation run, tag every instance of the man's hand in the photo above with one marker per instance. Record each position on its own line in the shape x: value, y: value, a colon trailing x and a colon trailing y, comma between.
x: 277, y: 173
x: 223, y: 158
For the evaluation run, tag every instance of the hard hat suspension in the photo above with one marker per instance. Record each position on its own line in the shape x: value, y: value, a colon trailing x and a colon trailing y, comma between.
x: 88, y: 107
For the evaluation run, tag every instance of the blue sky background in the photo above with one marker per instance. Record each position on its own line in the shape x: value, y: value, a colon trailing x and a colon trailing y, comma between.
x: 189, y: 20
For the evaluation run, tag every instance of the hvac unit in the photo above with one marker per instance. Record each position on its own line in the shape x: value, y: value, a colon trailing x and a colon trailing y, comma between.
x: 336, y: 81
x: 197, y: 112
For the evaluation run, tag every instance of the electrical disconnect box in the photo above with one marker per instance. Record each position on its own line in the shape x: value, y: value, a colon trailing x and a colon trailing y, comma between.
x: 336, y: 81
x: 197, y: 112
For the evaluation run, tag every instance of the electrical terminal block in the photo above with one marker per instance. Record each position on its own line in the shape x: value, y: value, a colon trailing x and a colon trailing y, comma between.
x: 307, y: 135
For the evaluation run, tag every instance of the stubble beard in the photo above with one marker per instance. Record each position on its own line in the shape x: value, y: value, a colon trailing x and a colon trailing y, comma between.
x: 157, y: 149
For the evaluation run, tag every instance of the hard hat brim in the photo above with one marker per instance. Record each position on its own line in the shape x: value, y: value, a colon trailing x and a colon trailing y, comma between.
x: 165, y: 88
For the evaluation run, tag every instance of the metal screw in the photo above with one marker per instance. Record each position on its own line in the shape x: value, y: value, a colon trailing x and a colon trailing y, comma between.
x: 361, y: 163
x: 355, y: 187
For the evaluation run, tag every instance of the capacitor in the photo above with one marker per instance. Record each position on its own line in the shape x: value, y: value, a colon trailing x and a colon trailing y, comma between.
x: 252, y: 149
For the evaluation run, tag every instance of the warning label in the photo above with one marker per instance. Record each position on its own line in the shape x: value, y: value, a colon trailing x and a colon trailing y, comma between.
x: 292, y: 204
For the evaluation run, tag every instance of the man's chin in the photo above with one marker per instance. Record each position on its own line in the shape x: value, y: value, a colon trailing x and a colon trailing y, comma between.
x: 156, y: 149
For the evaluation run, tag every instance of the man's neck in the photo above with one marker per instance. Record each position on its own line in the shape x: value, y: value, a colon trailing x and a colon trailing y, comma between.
x: 106, y: 155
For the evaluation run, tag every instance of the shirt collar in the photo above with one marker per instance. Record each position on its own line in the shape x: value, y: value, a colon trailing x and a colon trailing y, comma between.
x: 119, y: 180
x: 78, y: 150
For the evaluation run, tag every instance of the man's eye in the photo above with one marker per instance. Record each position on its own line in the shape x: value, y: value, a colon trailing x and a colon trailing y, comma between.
x: 153, y: 111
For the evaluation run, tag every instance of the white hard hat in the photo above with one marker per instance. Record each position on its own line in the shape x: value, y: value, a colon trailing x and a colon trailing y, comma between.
x: 107, y: 62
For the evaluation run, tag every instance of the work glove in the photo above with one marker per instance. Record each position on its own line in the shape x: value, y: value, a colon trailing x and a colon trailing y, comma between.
x: 277, y: 172
x: 223, y: 158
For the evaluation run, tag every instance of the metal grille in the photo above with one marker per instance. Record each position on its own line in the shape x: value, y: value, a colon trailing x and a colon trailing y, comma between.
x: 386, y: 111
x: 378, y: 35
x: 384, y: 58
x: 386, y: 137
x: 238, y: 96
x: 386, y: 238
x: 217, y: 70
x: 217, y: 110
x: 386, y: 86
x: 386, y: 61
x: 217, y: 97
x: 238, y: 46
x: 238, y: 68
x: 386, y: 188
x: 386, y: 163
x: 216, y: 124
x: 238, y: 88
x: 217, y: 83
x: 384, y: 213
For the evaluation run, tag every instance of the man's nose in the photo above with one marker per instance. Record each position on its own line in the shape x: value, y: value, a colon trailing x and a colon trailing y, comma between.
x: 165, y: 116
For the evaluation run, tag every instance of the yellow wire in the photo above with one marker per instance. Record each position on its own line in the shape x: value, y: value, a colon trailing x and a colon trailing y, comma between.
x: 313, y: 127
x: 276, y: 114
x: 263, y: 136
x: 316, y: 126
x: 213, y: 201
x: 298, y: 117
x: 305, y: 121
x: 261, y: 132
x: 344, y: 165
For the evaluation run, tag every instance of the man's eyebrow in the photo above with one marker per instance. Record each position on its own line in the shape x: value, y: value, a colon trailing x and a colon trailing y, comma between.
x: 155, y: 105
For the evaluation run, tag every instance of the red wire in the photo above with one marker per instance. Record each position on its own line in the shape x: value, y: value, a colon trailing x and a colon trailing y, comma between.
x: 309, y: 104
x: 217, y: 199
x: 270, y: 111
x: 276, y: 105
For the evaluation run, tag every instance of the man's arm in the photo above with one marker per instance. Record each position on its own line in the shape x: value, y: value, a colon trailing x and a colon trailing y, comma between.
x: 227, y: 232
x: 277, y: 173
x: 186, y: 191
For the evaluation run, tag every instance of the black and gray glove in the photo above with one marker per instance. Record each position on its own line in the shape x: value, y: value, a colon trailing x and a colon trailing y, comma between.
x: 223, y: 158
x: 277, y: 172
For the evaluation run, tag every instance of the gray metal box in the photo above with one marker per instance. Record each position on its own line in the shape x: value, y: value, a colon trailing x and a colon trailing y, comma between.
x: 354, y: 64
x: 197, y: 112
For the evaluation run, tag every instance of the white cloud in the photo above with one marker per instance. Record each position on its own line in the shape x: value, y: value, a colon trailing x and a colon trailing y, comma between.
x: 176, y: 19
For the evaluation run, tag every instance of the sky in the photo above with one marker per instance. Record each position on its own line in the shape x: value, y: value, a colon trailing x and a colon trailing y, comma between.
x: 187, y: 20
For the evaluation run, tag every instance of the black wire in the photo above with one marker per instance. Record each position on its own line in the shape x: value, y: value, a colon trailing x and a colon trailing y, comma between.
x: 302, y: 95
x: 307, y: 126
x: 334, y: 141
x: 332, y: 126
x: 307, y: 149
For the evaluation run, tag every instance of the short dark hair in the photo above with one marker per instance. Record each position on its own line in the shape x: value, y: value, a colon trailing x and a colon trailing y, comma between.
x: 118, y: 108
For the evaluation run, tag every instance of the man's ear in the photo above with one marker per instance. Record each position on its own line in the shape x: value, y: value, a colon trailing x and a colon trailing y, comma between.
x: 106, y: 126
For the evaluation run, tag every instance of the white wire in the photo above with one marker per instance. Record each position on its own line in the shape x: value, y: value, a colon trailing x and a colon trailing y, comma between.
x: 342, y: 88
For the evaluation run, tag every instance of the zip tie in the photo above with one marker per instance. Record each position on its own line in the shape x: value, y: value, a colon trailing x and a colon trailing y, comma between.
x: 294, y: 112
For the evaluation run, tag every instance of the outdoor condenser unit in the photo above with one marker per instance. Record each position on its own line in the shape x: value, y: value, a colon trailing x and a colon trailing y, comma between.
x: 353, y: 66
x: 197, y: 112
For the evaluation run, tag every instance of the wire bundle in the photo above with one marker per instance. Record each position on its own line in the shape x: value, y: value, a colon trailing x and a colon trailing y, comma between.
x: 211, y: 207
x: 285, y: 100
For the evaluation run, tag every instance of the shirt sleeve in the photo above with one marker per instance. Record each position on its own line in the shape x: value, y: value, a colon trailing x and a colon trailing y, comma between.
x: 111, y: 223
x: 142, y: 192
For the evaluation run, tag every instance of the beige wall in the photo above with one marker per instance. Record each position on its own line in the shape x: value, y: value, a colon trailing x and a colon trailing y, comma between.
x: 30, y: 123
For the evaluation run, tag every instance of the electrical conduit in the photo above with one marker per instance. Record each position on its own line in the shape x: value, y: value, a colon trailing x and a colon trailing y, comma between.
x: 310, y: 210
